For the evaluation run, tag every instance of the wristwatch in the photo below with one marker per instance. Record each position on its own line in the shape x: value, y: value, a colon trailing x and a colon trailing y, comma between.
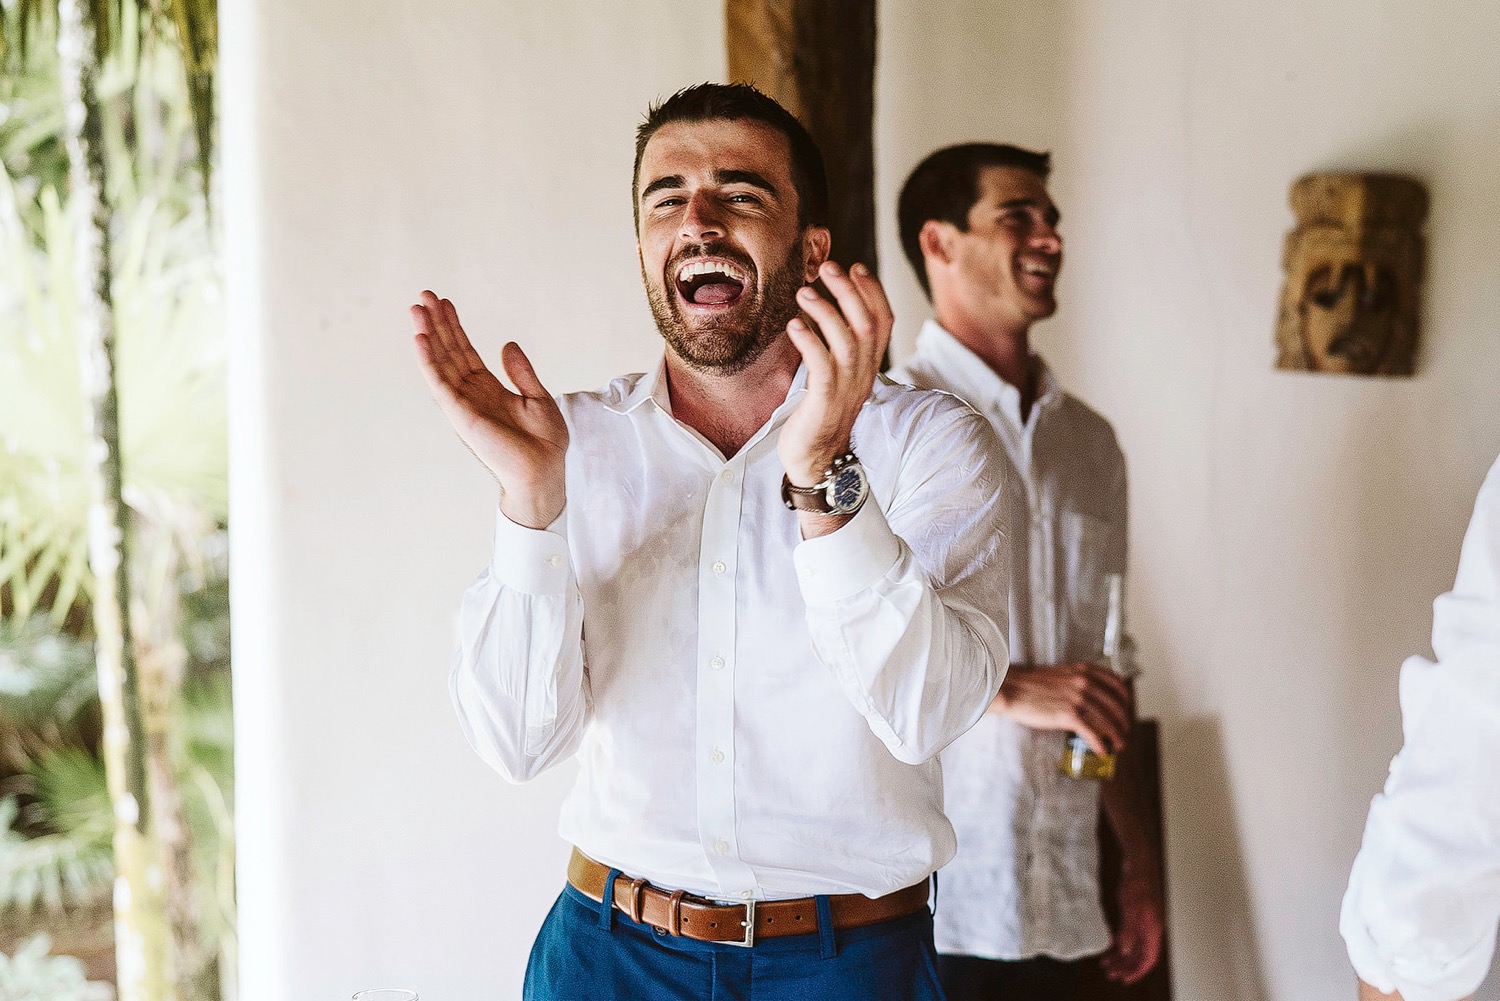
x: 842, y: 490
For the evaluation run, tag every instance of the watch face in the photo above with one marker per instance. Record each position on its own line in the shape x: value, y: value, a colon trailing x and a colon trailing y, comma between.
x: 847, y: 492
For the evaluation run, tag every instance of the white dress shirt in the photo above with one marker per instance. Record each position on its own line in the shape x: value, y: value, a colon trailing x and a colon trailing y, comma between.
x: 755, y: 715
x: 1424, y: 896
x: 1025, y: 881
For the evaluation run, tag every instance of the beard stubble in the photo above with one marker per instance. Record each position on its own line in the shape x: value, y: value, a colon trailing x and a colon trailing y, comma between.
x: 729, y: 344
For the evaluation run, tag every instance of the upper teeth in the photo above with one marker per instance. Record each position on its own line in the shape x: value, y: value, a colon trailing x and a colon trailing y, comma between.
x: 1037, y: 269
x: 693, y: 269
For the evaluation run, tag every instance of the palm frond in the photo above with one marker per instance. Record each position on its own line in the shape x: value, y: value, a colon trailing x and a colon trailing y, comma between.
x: 44, y: 675
x: 171, y: 377
x: 53, y: 872
x: 31, y: 972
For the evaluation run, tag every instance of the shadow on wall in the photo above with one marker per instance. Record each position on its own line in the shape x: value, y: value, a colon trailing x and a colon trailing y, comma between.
x: 1208, y: 885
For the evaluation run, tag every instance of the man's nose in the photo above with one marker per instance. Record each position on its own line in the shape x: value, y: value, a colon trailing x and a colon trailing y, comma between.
x: 1046, y: 237
x: 701, y: 220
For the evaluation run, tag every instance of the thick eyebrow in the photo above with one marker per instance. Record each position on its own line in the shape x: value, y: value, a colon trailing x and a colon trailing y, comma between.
x: 749, y: 177
x: 670, y: 181
x: 1053, y: 216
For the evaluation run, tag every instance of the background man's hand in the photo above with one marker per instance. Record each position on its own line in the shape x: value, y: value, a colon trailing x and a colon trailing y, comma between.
x: 520, y: 437
x: 1092, y: 701
x: 1137, y: 945
x: 840, y: 374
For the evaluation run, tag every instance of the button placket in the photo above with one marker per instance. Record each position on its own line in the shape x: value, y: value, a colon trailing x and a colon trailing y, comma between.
x: 717, y: 625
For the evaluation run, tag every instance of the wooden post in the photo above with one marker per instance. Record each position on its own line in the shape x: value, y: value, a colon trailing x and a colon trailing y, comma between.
x: 817, y: 58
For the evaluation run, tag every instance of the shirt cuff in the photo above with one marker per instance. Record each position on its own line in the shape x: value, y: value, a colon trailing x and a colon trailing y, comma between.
x: 531, y: 560
x: 845, y: 562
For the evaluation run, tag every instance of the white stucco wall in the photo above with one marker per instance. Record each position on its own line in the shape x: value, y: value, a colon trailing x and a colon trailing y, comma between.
x: 1290, y: 531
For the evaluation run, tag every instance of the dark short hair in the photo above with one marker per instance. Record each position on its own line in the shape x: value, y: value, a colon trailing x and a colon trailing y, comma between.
x: 735, y: 102
x: 945, y: 187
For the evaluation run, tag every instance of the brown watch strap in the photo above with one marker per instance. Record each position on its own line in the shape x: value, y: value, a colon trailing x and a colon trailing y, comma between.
x: 804, y: 498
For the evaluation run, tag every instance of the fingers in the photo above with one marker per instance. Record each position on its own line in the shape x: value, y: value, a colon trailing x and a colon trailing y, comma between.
x: 438, y: 364
x: 1105, y: 702
x: 814, y: 353
x: 1130, y: 957
x: 1097, y: 730
x: 518, y: 367
x: 836, y: 333
x: 464, y: 349
x: 884, y: 317
x: 857, y: 324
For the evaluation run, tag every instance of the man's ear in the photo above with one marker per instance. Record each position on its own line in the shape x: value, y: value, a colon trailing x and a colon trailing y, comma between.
x: 936, y: 240
x: 816, y: 242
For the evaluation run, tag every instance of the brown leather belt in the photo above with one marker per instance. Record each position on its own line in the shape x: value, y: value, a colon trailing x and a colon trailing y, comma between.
x: 679, y: 913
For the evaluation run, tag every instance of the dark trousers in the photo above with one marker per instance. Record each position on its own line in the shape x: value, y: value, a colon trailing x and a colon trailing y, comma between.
x: 588, y: 951
x: 970, y: 978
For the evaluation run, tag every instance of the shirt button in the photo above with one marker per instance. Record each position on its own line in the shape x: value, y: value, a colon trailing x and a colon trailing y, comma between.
x: 721, y: 846
x: 555, y: 560
x: 746, y: 894
x: 720, y: 567
x: 727, y: 476
x: 717, y: 757
x: 717, y: 663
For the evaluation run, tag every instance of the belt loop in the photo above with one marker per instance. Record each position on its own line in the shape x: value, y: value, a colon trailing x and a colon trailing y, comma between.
x: 674, y: 913
x: 607, y: 905
x: 827, y: 944
x: 635, y: 899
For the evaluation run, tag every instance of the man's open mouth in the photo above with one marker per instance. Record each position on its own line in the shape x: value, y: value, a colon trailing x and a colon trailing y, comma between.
x: 711, y: 281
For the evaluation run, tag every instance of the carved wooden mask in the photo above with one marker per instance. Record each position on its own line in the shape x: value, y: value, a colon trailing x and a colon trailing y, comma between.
x: 1353, y: 267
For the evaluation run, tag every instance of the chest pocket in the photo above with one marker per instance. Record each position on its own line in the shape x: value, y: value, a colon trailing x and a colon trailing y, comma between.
x: 1083, y: 542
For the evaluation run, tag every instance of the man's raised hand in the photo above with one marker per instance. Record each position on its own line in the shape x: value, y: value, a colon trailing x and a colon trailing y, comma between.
x: 856, y: 328
x: 519, y: 436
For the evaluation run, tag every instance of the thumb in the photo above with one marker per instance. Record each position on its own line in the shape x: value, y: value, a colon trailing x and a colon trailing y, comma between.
x: 518, y: 367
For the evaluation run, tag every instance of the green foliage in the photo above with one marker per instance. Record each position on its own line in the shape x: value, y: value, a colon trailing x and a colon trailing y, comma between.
x: 33, y: 975
x: 187, y: 28
x: 170, y: 374
x: 56, y: 821
x: 55, y: 835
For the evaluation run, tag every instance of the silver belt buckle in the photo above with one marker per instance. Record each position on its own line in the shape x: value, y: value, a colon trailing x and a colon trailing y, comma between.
x: 749, y: 926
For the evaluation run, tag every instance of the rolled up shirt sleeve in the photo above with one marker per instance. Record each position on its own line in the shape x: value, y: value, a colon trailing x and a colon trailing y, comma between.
x: 906, y: 602
x: 518, y: 680
x: 1423, y: 902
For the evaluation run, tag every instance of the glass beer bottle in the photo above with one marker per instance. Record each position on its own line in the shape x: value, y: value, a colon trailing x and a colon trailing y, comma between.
x: 1078, y: 761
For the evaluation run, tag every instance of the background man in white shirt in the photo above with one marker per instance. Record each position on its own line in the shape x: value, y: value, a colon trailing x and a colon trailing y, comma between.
x: 1019, y: 906
x: 756, y: 695
x: 1420, y: 914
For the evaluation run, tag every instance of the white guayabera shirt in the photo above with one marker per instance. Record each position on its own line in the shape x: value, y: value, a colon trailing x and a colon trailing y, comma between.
x: 1424, y: 895
x: 1025, y: 881
x: 755, y: 715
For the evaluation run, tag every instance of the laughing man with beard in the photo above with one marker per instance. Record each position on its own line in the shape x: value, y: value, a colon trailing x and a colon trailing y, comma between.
x: 754, y: 591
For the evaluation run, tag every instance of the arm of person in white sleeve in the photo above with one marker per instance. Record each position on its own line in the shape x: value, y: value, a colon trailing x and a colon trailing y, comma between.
x: 1423, y: 902
x: 897, y: 598
x: 518, y: 681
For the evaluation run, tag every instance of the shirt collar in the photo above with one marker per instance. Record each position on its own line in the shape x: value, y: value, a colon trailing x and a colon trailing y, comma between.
x: 653, y: 386
x: 973, y: 380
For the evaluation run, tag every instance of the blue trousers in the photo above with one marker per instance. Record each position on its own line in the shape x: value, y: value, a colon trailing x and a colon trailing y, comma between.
x: 586, y: 950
